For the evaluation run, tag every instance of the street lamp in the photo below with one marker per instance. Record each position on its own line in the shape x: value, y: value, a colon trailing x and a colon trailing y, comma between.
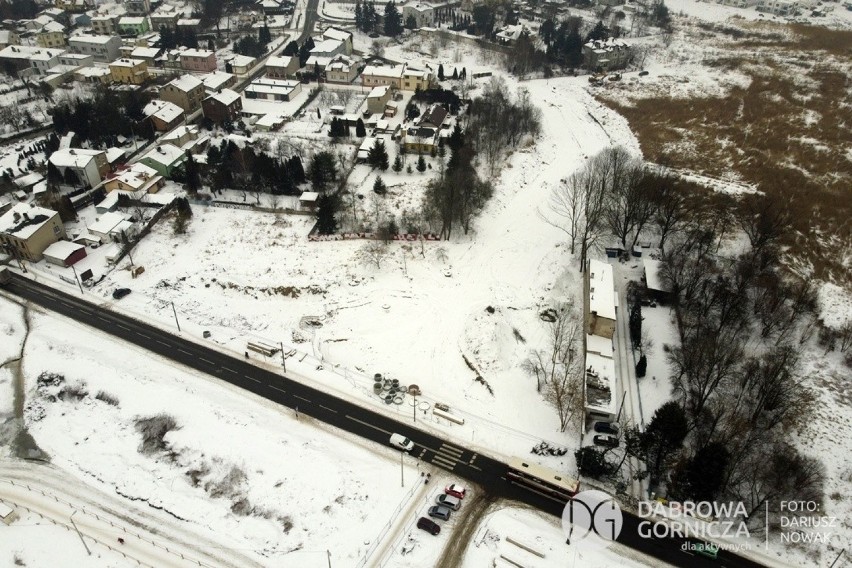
x: 86, y: 546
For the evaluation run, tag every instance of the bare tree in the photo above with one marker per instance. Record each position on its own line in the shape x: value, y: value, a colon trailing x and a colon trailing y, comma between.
x: 559, y: 368
x: 763, y: 219
x: 373, y: 252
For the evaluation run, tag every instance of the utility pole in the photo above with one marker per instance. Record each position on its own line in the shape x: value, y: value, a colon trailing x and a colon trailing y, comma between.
x: 283, y: 358
x: 86, y: 546
x: 77, y: 278
x: 176, y: 319
x: 620, y: 408
x: 329, y: 558
x: 414, y: 408
x: 401, y: 469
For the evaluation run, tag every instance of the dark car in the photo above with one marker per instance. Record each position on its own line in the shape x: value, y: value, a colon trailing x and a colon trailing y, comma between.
x: 643, y: 73
x: 374, y: 35
x: 120, y: 293
x: 606, y: 428
x: 438, y: 512
x: 428, y: 525
x: 606, y: 440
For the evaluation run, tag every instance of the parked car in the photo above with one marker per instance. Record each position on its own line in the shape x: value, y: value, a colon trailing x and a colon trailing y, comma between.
x: 448, y: 501
x: 606, y: 428
x: 119, y: 293
x: 606, y: 440
x: 401, y: 442
x: 428, y: 525
x: 455, y: 490
x: 643, y: 73
x: 438, y: 512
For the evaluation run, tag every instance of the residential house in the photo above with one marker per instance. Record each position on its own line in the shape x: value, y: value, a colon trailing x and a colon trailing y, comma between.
x: 137, y: 7
x: 64, y: 253
x: 98, y: 75
x: 27, y: 230
x: 104, y: 48
x: 56, y: 14
x: 164, y: 19
x: 272, y: 89
x: 778, y: 7
x: 378, y: 98
x: 133, y: 25
x: 423, y: 13
x: 415, y: 79
x: 43, y: 60
x: 606, y: 54
x: 8, y: 37
x: 434, y: 117
x: 510, y: 34
x: 187, y: 92
x: 240, y: 64
x: 75, y: 6
x: 192, y: 24
x: 138, y: 179
x: 81, y: 21
x: 375, y: 76
x: 105, y: 24
x: 164, y: 115
x: 147, y: 54
x: 602, y: 302
x: 224, y: 106
x: 51, y: 35
x: 90, y: 166
x: 17, y: 57
x: 129, y: 71
x: 165, y: 158
x: 328, y: 48
x: 270, y: 122
x: 109, y: 227
x: 282, y: 67
x: 202, y: 60
x: 600, y: 394
x: 76, y: 60
x: 184, y: 137
x: 738, y: 3
x: 341, y: 69
x: 337, y: 34
x: 218, y: 80
x: 420, y: 139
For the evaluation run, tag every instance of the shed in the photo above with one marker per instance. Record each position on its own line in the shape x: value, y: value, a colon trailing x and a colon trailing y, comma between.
x: 657, y: 288
x: 64, y: 253
x: 7, y: 513
x: 308, y: 200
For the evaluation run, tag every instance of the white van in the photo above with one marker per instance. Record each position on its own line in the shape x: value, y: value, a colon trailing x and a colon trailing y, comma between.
x: 401, y: 442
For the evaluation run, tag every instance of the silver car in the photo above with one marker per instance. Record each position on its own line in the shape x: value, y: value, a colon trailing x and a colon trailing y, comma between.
x: 448, y: 501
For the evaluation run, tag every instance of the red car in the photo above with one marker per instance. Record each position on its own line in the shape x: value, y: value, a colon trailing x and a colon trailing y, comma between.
x: 455, y: 490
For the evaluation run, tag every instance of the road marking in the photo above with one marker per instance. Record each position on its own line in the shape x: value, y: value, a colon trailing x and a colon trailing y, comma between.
x: 327, y: 408
x: 188, y: 353
x: 229, y: 370
x: 205, y: 360
x: 474, y: 467
x: 301, y: 398
x: 276, y: 388
x: 367, y: 424
x: 443, y: 463
x: 450, y: 449
x: 122, y: 327
x: 252, y: 378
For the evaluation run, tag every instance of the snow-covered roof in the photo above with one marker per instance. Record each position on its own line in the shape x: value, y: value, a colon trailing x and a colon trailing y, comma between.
x: 164, y: 110
x: 73, y: 157
x: 165, y: 154
x: 327, y: 46
x: 336, y: 34
x: 226, y: 96
x: 609, y: 44
x: 190, y: 22
x: 145, y: 52
x: 138, y: 176
x: 106, y: 222
x: 215, y: 80
x: 269, y: 120
x: 600, y: 381
x: 278, y: 61
x: 378, y: 92
x: 241, y: 60
x: 602, y: 299
x: 271, y: 86
x: 600, y: 345
x: 28, y: 180
x: 131, y: 21
x: 384, y: 71
x: 186, y: 83
x: 180, y: 132
x: 126, y: 62
x: 19, y: 226
x: 62, y: 249
x: 92, y: 39
x: 309, y: 196
x: 92, y: 71
x: 205, y: 53
x: 29, y: 52
x: 652, y: 275
x: 53, y: 26
x: 114, y: 154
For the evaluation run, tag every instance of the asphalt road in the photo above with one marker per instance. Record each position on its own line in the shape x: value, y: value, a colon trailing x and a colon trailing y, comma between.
x: 451, y: 456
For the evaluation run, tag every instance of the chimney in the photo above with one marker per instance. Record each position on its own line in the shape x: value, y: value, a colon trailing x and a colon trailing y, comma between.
x: 26, y: 216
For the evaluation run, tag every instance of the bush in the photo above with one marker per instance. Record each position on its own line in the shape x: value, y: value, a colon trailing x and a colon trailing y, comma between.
x: 641, y: 367
x: 107, y: 398
x: 154, y: 430
x: 591, y: 462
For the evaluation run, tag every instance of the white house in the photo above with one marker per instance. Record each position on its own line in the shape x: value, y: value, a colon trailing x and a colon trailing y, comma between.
x: 104, y: 48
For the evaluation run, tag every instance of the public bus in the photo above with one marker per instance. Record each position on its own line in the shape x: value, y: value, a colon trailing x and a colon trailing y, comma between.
x: 542, y: 480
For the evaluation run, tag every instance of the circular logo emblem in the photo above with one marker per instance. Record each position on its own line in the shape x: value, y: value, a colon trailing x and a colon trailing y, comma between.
x: 591, y: 520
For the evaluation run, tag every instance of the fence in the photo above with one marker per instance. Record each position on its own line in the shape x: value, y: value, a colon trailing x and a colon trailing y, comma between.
x: 410, y: 237
x: 123, y: 529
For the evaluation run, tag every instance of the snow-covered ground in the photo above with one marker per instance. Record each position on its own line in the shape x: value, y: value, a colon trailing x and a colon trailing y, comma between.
x: 234, y: 469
